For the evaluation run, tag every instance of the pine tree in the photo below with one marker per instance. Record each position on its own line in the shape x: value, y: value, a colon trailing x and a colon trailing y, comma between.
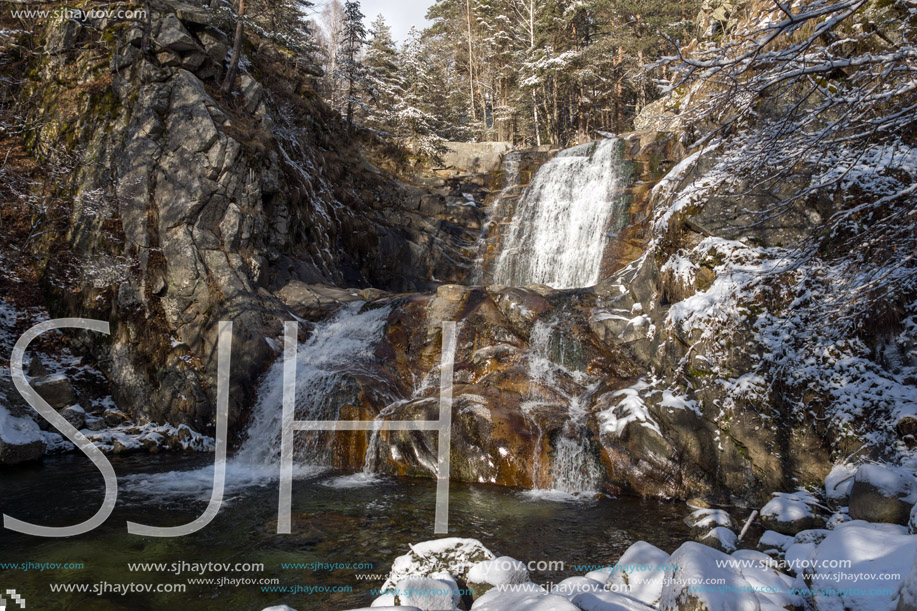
x: 382, y: 76
x: 351, y: 70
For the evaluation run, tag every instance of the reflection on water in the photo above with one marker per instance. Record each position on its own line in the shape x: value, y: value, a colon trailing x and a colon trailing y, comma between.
x: 337, y: 518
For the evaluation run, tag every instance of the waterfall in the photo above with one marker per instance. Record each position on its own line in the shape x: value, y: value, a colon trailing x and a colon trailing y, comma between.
x: 559, y: 230
x: 342, y: 345
x: 498, y: 212
x: 574, y: 469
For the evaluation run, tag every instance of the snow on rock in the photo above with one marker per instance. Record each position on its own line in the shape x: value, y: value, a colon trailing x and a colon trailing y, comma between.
x: 839, y: 517
x: 498, y: 572
x: 522, y: 597
x: 452, y: 555
x: 280, y: 608
x: 720, y: 538
x: 790, y: 512
x: 426, y: 594
x: 570, y: 587
x: 882, y: 493
x: 799, y: 556
x: 772, y: 540
x: 640, y: 572
x: 703, y: 520
x: 771, y: 586
x: 907, y: 593
x: 608, y: 601
x: 692, y: 562
x: 839, y: 482
x: 873, y: 550
x: 20, y: 438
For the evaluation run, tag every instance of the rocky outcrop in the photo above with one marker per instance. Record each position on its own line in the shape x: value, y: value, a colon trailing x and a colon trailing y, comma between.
x: 190, y: 207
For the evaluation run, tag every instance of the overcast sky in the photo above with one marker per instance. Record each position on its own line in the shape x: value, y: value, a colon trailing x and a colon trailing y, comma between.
x: 400, y: 14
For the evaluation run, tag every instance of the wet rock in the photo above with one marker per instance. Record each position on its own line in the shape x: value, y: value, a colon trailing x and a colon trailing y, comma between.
x: 881, y: 494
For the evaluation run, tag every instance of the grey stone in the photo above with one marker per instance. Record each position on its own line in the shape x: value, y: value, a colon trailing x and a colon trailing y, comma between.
x: 56, y: 390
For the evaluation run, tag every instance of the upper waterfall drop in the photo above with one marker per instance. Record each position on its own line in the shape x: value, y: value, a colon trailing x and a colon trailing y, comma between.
x: 558, y: 233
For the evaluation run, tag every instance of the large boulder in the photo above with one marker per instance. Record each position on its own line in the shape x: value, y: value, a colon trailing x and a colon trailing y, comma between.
x: 790, y: 512
x: 55, y: 389
x: 522, y: 597
x: 874, y: 551
x: 693, y: 563
x: 640, y: 572
x: 882, y: 494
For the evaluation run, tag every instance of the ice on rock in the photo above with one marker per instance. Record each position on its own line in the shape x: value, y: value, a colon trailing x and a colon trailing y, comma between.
x: 522, y: 597
x: 608, y: 601
x: 498, y: 572
x: 873, y: 550
x: 692, y: 562
x: 645, y: 585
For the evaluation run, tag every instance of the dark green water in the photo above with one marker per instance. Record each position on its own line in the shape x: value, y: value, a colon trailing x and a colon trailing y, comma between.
x: 369, y: 524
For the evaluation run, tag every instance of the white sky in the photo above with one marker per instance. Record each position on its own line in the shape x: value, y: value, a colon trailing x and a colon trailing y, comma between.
x: 400, y: 14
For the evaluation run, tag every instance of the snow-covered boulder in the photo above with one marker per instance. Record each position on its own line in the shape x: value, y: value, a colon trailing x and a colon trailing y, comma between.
x: 815, y: 535
x: 907, y: 592
x: 720, y: 538
x: 839, y: 482
x: 702, y: 521
x: 693, y: 564
x: 498, y: 572
x: 771, y: 585
x: 452, y: 555
x: 772, y: 541
x: 426, y: 594
x: 640, y: 572
x: 873, y: 550
x: 280, y: 608
x: 608, y: 601
x: 385, y: 608
x: 882, y: 493
x: 912, y: 521
x: 570, y: 587
x: 20, y: 438
x: 522, y: 597
x: 790, y: 512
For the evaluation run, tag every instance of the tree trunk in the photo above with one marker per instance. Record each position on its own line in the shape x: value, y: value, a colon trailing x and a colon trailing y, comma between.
x: 236, y: 49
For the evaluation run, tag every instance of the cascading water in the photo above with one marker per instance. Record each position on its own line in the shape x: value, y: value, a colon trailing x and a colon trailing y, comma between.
x: 340, y: 346
x: 574, y: 469
x: 559, y: 230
